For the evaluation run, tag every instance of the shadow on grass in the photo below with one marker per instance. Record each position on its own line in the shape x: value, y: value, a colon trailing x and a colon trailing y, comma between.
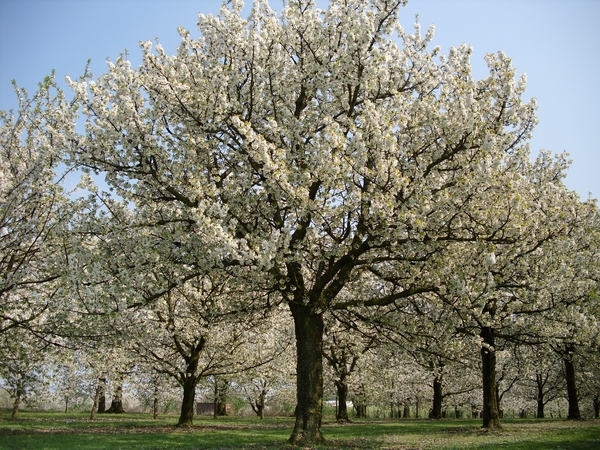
x: 140, y: 432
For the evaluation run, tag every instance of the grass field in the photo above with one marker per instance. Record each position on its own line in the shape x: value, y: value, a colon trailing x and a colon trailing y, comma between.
x: 139, y: 431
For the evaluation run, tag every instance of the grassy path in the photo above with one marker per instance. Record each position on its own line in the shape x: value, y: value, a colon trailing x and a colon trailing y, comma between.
x: 138, y: 431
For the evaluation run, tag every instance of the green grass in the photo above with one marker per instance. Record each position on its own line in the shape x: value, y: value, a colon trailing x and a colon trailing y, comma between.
x: 139, y: 431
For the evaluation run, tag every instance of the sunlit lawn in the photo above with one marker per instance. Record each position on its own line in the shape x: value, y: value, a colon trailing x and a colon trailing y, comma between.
x: 140, y: 431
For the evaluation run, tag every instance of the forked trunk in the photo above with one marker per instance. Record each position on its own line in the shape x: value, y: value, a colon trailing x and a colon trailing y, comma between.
x: 574, y: 413
x: 309, y: 376
x: 186, y: 418
x: 342, y: 392
x: 491, y: 414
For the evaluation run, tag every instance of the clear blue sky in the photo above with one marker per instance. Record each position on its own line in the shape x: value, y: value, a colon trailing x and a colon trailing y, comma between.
x: 555, y: 42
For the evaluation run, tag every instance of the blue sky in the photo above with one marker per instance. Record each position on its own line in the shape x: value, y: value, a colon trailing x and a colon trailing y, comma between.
x: 555, y: 42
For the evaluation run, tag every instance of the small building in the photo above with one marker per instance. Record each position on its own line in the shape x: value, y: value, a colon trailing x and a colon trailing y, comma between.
x: 208, y: 408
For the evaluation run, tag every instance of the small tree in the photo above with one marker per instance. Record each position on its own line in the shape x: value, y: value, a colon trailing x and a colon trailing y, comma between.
x: 22, y: 360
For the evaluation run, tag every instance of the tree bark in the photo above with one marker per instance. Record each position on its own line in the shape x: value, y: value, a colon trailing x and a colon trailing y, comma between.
x: 222, y: 398
x: 574, y: 413
x: 96, y: 399
x: 263, y: 398
x: 540, y: 396
x: 342, y: 410
x: 155, y: 409
x: 596, y: 406
x: 189, y: 380
x: 155, y: 404
x: 258, y: 405
x: 361, y: 410
x: 101, y: 395
x: 406, y: 410
x: 186, y: 418
x: 216, y: 400
x: 438, y: 397
x: 16, y: 403
x: 309, y: 376
x: 116, y: 405
x: 491, y: 414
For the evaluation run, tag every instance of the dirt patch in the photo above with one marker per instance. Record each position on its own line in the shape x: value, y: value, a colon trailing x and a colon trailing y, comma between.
x: 137, y: 429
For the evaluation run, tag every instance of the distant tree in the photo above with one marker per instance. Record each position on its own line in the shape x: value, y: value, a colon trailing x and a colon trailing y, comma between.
x: 259, y: 385
x: 22, y: 360
x: 69, y: 378
x: 343, y: 348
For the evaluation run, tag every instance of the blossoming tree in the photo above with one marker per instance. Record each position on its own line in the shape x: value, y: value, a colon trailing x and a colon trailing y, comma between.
x: 301, y: 150
x: 33, y: 208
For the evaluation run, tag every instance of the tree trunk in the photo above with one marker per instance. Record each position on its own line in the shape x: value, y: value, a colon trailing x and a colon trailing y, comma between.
x: 186, y: 418
x: 596, y: 406
x: 342, y: 410
x: 406, y: 411
x: 116, y: 405
x: 155, y: 404
x: 155, y: 409
x: 498, y: 398
x: 309, y: 376
x: 258, y: 406
x: 261, y: 403
x: 222, y: 398
x: 491, y: 414
x: 17, y: 402
x: 540, y: 396
x: 258, y: 409
x: 101, y: 395
x: 573, y: 413
x: 216, y: 400
x: 361, y: 410
x: 438, y: 397
x: 66, y: 404
x: 96, y: 399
